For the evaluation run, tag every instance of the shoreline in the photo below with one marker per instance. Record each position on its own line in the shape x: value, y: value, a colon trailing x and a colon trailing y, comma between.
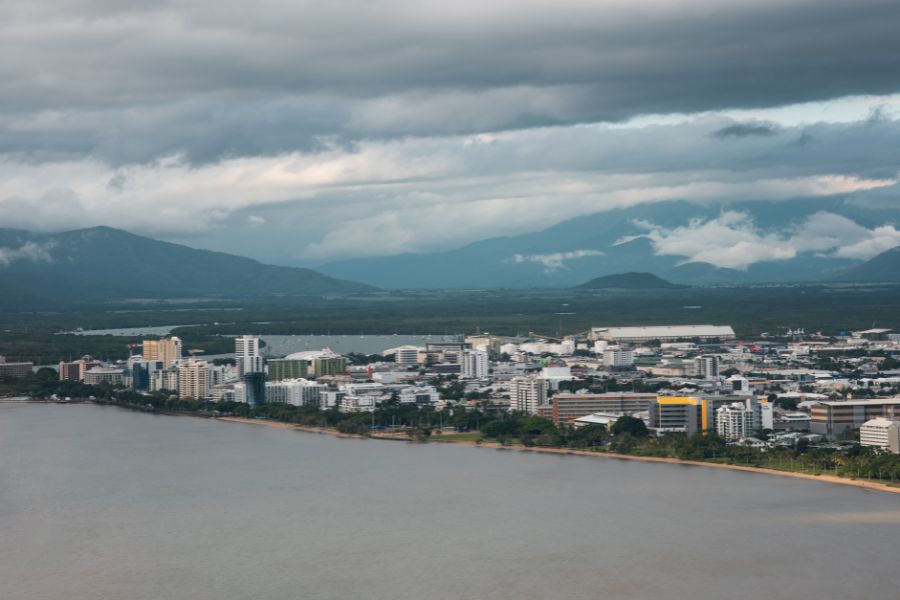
x: 866, y: 485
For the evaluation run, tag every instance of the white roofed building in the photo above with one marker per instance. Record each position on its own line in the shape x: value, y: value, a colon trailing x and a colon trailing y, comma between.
x: 663, y: 333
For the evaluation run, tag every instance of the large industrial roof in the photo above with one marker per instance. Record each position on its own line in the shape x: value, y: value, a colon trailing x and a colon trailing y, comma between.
x: 665, y: 331
x: 313, y: 354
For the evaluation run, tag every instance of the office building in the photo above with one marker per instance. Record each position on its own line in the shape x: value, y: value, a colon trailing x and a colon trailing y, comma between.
x: 168, y: 351
x: 474, y: 364
x: 681, y: 414
x: 526, y: 394
x: 247, y: 355
x: 142, y: 371
x: 254, y: 387
x: 568, y: 407
x: 881, y: 433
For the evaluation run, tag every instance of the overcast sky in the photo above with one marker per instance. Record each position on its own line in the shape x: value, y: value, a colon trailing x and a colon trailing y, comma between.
x: 300, y: 132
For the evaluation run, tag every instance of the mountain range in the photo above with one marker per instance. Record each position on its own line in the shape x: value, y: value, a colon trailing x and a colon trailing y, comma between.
x: 103, y: 263
x: 572, y: 252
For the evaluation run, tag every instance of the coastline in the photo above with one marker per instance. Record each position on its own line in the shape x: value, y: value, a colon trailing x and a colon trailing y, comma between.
x: 867, y: 485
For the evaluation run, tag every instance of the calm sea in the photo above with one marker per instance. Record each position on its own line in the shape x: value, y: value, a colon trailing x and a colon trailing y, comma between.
x: 104, y: 504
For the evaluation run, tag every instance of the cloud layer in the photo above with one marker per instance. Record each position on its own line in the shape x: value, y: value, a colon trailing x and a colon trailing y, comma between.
x: 303, y: 131
x: 733, y: 240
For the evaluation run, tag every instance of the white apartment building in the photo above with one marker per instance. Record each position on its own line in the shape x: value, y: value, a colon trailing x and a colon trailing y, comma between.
x: 352, y: 404
x: 743, y: 419
x: 526, y: 394
x: 296, y: 392
x: 406, y: 355
x: 618, y: 357
x: 247, y: 355
x: 474, y: 364
x: 881, y: 433
x: 424, y: 394
x: 736, y: 421
x: 193, y: 379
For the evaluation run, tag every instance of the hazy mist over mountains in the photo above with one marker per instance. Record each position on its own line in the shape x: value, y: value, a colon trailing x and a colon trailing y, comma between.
x: 683, y: 242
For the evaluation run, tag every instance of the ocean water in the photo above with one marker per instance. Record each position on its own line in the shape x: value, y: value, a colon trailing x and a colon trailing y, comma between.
x: 98, y: 503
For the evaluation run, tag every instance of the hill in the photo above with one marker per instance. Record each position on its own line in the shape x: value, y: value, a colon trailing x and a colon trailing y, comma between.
x: 629, y: 281
x: 103, y: 263
x: 884, y: 268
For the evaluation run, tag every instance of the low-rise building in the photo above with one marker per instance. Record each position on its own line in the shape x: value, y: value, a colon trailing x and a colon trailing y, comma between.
x: 113, y: 376
x: 881, y: 433
x: 834, y: 417
x: 568, y: 407
x: 15, y: 370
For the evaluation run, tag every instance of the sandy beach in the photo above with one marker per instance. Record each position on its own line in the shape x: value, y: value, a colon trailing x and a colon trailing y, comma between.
x: 281, y: 425
x: 868, y: 485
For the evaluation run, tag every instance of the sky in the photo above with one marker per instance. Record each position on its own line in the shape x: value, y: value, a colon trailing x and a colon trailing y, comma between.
x: 301, y: 132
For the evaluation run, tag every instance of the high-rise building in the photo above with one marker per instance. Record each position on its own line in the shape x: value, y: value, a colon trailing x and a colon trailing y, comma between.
x: 737, y: 420
x: 329, y: 365
x: 193, y: 379
x: 255, y: 390
x: 618, y: 357
x: 526, y: 394
x: 167, y: 351
x: 474, y: 364
x: 164, y: 380
x: 142, y: 370
x: 707, y: 366
x: 286, y: 368
x: 247, y: 356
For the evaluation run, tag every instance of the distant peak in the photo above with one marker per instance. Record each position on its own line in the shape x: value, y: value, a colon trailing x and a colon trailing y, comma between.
x: 630, y: 281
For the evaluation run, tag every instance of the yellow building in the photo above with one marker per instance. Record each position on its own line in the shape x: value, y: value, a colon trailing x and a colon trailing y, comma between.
x: 681, y: 414
x: 166, y: 350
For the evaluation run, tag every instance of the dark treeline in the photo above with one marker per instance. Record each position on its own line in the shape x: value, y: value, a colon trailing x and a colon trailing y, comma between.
x: 750, y: 310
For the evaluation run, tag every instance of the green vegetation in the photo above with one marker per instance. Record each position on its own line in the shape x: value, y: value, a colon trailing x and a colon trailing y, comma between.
x: 27, y: 335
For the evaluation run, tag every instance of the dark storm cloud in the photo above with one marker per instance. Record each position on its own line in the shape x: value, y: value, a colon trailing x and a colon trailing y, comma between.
x: 132, y: 81
x: 742, y: 130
